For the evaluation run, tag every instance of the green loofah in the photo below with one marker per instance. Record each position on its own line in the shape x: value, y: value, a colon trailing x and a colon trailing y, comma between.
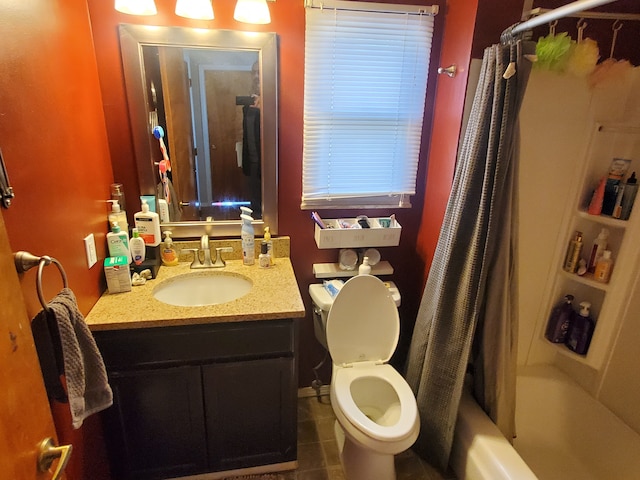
x: 552, y: 51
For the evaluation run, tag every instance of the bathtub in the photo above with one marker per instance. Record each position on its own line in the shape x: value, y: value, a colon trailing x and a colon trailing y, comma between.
x: 562, y: 434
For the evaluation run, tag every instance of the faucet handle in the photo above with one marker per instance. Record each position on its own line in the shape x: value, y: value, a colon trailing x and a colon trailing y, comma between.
x: 219, y: 261
x: 196, y: 257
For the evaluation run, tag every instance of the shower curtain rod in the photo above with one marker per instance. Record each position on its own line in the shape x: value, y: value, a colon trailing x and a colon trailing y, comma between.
x: 593, y: 15
x: 556, y: 13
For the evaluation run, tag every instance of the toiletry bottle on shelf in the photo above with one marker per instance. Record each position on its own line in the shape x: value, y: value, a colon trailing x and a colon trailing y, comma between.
x: 118, y: 243
x: 148, y: 225
x: 137, y: 247
x: 574, y: 250
x: 168, y: 252
x: 599, y: 246
x: 581, y: 330
x: 603, y: 267
x: 267, y: 238
x: 629, y: 196
x: 119, y: 216
x: 364, y: 268
x: 595, y: 207
x: 248, y: 240
x: 117, y: 193
x: 264, y: 259
x: 560, y: 320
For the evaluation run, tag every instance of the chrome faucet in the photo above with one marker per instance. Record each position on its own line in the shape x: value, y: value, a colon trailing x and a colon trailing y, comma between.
x: 204, y: 246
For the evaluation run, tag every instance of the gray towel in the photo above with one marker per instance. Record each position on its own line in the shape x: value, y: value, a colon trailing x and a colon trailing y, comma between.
x: 86, y: 377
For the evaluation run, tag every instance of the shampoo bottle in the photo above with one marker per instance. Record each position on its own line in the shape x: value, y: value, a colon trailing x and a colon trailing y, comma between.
x: 628, y: 196
x: 118, y: 243
x: 168, y: 252
x: 248, y: 240
x: 603, y: 267
x: 119, y: 216
x: 560, y: 320
x: 148, y: 225
x: 574, y: 250
x: 581, y: 330
x: 137, y: 248
x: 599, y: 246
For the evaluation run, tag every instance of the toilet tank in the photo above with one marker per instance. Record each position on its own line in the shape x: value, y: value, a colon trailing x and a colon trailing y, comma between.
x: 322, y: 302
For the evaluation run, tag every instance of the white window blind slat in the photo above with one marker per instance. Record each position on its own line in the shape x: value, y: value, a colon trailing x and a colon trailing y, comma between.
x: 365, y: 89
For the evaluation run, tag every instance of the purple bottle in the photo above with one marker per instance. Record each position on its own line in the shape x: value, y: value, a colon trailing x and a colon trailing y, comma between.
x: 581, y: 330
x: 560, y: 320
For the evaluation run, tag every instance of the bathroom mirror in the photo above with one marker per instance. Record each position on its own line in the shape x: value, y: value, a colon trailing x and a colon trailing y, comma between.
x: 214, y: 95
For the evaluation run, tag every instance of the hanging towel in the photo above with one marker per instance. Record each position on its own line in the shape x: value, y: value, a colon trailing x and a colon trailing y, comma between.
x: 47, y: 341
x: 86, y: 377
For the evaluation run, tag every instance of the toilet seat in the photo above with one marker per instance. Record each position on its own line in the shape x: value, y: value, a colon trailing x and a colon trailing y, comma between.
x: 404, y: 427
x: 363, y: 324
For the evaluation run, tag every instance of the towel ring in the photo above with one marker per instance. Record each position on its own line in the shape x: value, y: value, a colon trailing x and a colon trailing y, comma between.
x: 25, y: 261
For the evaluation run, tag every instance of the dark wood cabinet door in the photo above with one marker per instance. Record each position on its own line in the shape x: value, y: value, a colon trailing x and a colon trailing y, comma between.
x: 157, y: 423
x: 250, y: 412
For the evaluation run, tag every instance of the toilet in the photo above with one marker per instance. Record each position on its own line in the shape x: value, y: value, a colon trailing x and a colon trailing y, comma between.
x: 376, y: 412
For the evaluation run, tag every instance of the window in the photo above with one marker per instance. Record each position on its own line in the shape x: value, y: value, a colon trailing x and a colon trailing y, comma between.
x: 365, y: 83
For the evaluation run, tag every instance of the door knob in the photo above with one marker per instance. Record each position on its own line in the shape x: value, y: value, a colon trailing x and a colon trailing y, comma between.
x: 48, y: 452
x: 451, y: 70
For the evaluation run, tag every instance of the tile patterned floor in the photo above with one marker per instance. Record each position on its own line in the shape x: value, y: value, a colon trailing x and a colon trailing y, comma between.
x: 318, y: 457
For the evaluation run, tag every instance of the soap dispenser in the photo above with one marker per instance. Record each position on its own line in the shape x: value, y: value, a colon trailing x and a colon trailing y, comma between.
x: 119, y: 216
x: 168, y: 251
x: 581, y: 330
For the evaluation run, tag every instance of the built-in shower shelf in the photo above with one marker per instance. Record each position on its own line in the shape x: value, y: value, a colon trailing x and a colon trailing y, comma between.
x: 333, y: 270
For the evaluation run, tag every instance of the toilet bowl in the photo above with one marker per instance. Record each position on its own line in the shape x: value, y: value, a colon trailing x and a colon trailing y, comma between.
x: 376, y: 412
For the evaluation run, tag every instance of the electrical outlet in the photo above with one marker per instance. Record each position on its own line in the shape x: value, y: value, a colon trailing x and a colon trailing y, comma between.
x: 90, y: 250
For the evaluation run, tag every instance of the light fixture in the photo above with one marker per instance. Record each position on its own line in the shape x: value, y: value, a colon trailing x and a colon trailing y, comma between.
x: 196, y: 9
x: 252, y: 11
x: 136, y: 7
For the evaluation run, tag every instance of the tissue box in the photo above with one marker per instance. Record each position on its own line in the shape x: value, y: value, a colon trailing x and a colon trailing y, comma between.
x: 116, y: 271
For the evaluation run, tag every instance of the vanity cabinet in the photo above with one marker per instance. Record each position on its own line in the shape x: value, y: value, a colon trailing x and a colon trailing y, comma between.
x: 200, y: 398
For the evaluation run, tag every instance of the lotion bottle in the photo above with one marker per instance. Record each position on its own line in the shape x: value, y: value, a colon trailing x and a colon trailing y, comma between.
x: 118, y: 243
x: 137, y: 248
x: 248, y: 240
x: 168, y: 252
x: 119, y: 216
x: 148, y: 225
x: 603, y: 267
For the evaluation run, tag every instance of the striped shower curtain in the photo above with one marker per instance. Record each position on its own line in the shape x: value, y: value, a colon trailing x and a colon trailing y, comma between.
x: 467, y: 320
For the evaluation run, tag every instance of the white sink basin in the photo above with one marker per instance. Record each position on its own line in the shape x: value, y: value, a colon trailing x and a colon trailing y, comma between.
x: 197, y: 290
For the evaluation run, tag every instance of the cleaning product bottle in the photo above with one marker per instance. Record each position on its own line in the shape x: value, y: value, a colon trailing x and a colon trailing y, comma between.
x: 599, y: 246
x: 603, y: 267
x: 148, y: 225
x: 628, y: 196
x: 118, y: 243
x: 248, y: 240
x: 574, y: 250
x: 168, y: 252
x: 581, y: 330
x: 137, y: 247
x: 364, y: 268
x: 560, y: 320
x: 119, y: 216
x: 264, y: 259
x: 267, y: 239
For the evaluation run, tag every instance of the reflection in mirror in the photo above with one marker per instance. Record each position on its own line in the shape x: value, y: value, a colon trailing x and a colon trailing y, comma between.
x: 213, y: 93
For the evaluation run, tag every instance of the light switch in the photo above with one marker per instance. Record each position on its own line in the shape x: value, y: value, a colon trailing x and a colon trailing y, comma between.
x: 90, y: 250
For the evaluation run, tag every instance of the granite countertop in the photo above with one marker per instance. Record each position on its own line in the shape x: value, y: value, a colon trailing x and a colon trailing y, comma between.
x: 274, y: 295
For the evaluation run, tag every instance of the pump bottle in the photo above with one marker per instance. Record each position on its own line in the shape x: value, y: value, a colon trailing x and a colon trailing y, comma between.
x: 137, y: 247
x: 560, y: 321
x: 118, y: 243
x: 119, y: 216
x: 581, y: 330
x: 148, y: 225
x: 168, y: 252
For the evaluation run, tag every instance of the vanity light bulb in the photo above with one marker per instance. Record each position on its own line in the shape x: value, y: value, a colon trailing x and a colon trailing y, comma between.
x: 196, y: 9
x: 136, y: 7
x: 252, y: 11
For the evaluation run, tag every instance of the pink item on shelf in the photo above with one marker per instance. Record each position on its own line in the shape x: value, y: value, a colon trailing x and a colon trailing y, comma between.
x: 595, y: 207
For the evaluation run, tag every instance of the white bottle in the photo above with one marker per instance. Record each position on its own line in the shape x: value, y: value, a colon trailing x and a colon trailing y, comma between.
x: 118, y: 243
x: 148, y: 225
x: 137, y: 248
x: 119, y: 216
x: 364, y: 268
x: 248, y: 241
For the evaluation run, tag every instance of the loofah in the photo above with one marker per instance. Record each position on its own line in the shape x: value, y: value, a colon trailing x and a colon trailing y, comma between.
x: 552, y: 51
x: 609, y: 71
x: 583, y: 58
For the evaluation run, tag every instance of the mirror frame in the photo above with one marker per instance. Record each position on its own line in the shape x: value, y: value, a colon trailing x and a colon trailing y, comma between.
x: 132, y: 39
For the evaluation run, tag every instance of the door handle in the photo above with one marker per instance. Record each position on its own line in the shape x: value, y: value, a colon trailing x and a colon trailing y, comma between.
x: 48, y: 452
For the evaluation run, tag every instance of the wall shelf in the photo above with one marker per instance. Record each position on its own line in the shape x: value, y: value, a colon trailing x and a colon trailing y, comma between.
x: 333, y: 270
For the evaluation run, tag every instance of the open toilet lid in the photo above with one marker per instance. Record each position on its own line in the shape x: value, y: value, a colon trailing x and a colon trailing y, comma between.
x: 363, y: 323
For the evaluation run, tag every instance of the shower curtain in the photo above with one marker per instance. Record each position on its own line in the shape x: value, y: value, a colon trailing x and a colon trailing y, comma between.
x: 467, y: 320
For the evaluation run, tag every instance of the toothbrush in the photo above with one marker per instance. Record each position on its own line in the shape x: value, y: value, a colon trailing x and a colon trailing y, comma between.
x: 164, y: 166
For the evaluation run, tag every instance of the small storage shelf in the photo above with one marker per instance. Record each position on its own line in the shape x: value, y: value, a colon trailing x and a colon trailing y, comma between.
x: 334, y: 236
x: 333, y: 270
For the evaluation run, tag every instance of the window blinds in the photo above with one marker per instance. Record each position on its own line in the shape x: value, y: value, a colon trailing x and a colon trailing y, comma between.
x: 365, y: 88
